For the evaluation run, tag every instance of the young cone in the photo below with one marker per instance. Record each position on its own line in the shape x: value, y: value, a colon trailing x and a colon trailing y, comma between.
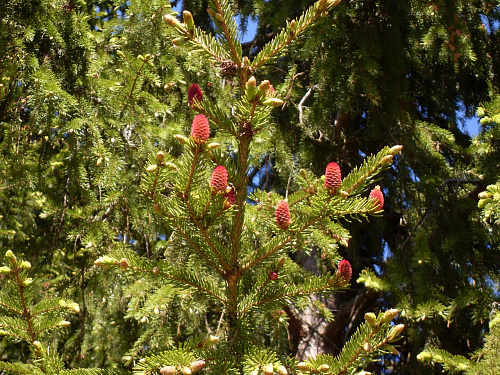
x: 345, y: 270
x: 333, y: 178
x: 376, y: 194
x: 218, y: 182
x: 282, y: 214
x: 200, y: 129
x: 230, y: 198
x: 194, y: 92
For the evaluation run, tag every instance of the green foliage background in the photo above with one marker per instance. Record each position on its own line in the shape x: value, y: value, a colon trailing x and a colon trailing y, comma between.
x: 90, y: 90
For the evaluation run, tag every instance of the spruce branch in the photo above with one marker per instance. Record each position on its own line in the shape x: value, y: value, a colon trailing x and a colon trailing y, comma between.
x: 294, y: 29
x: 198, y: 40
x: 223, y: 18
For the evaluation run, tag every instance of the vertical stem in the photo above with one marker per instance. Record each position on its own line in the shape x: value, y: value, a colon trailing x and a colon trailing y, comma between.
x: 26, y: 311
x: 240, y: 188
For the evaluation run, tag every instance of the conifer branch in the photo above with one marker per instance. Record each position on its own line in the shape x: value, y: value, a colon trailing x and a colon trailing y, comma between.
x: 196, y: 248
x: 228, y: 26
x: 207, y: 238
x: 132, y: 87
x: 294, y: 28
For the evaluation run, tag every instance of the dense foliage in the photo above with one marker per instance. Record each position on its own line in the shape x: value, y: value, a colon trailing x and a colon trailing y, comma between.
x: 90, y: 91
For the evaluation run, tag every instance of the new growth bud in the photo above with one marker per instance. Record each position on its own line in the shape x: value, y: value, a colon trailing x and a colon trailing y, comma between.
x: 371, y: 318
x: 5, y: 270
x: 124, y: 263
x: 168, y: 370
x: 10, y: 256
x: 395, y: 331
x: 197, y: 365
x: 274, y: 102
x: 268, y: 369
x: 152, y: 168
x: 303, y: 366
x: 172, y: 21
x: 389, y: 315
x: 323, y: 368
x: 395, y: 150
x: 188, y: 19
x: 160, y: 156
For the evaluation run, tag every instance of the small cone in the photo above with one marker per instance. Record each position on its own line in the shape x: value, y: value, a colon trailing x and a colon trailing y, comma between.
x: 345, y: 270
x: 376, y: 194
x: 194, y: 92
x: 333, y: 178
x: 200, y: 129
x: 230, y: 198
x: 282, y: 214
x: 218, y: 182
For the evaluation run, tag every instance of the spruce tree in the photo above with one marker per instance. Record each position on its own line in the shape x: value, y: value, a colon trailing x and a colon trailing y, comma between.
x: 227, y: 253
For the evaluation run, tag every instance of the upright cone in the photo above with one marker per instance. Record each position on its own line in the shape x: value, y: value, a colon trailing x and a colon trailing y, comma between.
x: 333, y: 178
x: 218, y: 182
x: 345, y: 270
x: 200, y: 129
x: 282, y: 214
x: 376, y: 195
x: 194, y: 92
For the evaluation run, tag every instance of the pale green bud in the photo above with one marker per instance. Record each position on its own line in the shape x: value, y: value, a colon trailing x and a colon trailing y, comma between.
x: 212, y: 146
x: 27, y: 281
x: 10, y: 255
x: 152, y: 168
x: 303, y: 366
x: 63, y: 323
x: 181, y: 138
x: 5, y: 270
x: 264, y: 86
x: 197, y: 365
x: 275, y: 102
x: 178, y: 41
x: 323, y: 368
x: 389, y: 315
x: 387, y: 160
x: 484, y: 195
x: 268, y: 369
x: 73, y: 306
x: 172, y: 21
x: 395, y: 149
x: 25, y: 265
x: 168, y: 370
x: 395, y: 331
x: 281, y: 370
x: 188, y: 19
x: 371, y: 318
x: 105, y: 261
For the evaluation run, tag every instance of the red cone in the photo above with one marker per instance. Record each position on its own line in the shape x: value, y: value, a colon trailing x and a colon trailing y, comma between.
x: 194, y: 91
x: 282, y: 214
x: 333, y: 177
x: 345, y: 270
x: 377, y: 195
x: 230, y: 198
x: 200, y: 129
x: 218, y: 182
